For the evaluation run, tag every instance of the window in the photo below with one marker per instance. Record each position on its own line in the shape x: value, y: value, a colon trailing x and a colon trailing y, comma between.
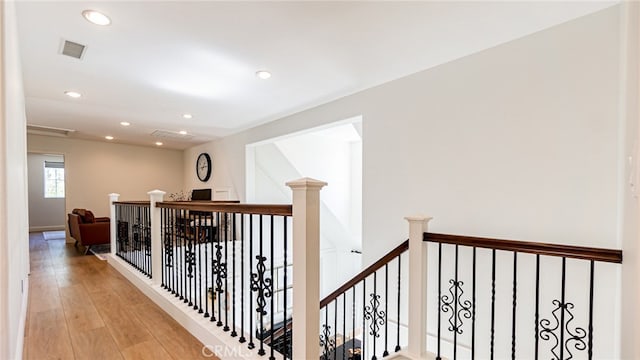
x: 53, y: 179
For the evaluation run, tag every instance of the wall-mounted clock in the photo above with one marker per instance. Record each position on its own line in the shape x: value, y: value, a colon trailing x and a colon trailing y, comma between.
x: 203, y: 167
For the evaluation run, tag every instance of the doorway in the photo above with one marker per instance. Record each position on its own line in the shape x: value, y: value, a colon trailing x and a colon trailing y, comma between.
x: 331, y: 153
x: 46, y: 173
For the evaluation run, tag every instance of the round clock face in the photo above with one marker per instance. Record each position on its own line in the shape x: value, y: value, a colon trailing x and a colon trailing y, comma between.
x: 203, y: 167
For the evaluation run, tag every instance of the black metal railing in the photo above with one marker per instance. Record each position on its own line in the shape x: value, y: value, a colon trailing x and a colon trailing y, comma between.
x: 549, y: 321
x: 133, y: 234
x: 232, y: 264
x: 362, y: 318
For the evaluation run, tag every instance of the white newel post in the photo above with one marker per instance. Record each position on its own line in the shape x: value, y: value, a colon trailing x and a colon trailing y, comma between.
x: 113, y: 197
x: 417, y: 345
x: 306, y: 267
x: 156, y: 196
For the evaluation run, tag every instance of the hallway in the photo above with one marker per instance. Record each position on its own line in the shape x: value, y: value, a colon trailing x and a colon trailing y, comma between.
x: 81, y: 308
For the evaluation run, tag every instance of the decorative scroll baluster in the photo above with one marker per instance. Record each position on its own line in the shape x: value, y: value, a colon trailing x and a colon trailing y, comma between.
x: 327, y: 343
x: 262, y: 286
x: 459, y: 308
x: 375, y: 316
x: 576, y: 335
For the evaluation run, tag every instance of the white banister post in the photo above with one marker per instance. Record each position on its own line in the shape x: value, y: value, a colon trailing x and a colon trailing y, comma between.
x: 113, y: 197
x: 417, y: 344
x: 306, y: 267
x: 156, y: 196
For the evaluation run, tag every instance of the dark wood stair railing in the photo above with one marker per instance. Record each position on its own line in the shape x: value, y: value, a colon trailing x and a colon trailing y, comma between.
x: 568, y: 251
x: 391, y: 255
x: 559, y: 328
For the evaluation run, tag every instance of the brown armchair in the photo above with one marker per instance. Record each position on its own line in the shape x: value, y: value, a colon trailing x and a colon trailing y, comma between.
x: 88, y: 230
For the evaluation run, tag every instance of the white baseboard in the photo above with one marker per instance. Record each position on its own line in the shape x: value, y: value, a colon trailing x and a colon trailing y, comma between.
x: 46, y: 228
x: 23, y: 319
x: 213, y: 337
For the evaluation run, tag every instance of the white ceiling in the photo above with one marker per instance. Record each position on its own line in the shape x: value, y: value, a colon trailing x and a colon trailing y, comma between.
x: 158, y: 60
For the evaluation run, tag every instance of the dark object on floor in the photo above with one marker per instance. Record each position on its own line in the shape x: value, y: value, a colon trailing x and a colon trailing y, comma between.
x: 87, y: 229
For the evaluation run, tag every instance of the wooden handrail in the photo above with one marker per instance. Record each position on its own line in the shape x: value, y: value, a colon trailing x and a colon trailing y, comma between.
x: 228, y: 206
x: 366, y: 272
x: 131, y: 202
x: 575, y: 252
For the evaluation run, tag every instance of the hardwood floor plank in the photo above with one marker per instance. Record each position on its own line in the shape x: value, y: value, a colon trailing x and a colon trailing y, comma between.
x: 48, y: 337
x: 79, y: 310
x: 148, y: 350
x: 95, y: 344
x: 124, y: 327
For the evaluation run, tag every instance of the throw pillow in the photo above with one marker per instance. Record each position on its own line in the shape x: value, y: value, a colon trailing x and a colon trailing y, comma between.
x: 88, y: 217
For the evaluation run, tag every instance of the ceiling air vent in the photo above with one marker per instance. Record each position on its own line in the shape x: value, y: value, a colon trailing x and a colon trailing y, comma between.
x: 48, y: 131
x: 164, y: 134
x: 73, y: 49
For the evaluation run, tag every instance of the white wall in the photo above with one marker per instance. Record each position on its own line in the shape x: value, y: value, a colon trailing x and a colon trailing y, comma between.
x: 44, y: 213
x: 630, y: 174
x: 14, y: 241
x: 518, y: 141
x: 94, y: 169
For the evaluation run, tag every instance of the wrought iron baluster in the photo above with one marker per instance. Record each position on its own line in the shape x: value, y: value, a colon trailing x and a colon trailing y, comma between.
x: 455, y: 309
x: 398, y: 322
x: 335, y: 325
x: 364, y: 326
x: 575, y: 336
x: 273, y: 289
x: 564, y: 265
x: 493, y: 298
x: 242, y: 285
x: 327, y: 344
x: 537, y: 314
x: 211, y: 290
x: 220, y: 271
x: 208, y: 243
x: 344, y: 326
x: 226, y: 261
x: 591, y: 285
x: 233, y: 275
x: 261, y: 285
x: 513, y: 309
x: 438, y: 357
x: 353, y: 319
x: 286, y: 341
x: 376, y: 316
x: 386, y: 310
x: 251, y: 345
x: 473, y: 304
x: 200, y: 235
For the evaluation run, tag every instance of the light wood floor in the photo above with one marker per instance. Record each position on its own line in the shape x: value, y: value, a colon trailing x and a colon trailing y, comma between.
x: 82, y: 308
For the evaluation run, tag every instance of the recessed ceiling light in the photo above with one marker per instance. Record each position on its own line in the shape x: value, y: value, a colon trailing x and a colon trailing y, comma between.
x: 73, y: 94
x: 263, y: 74
x: 109, y: 137
x: 158, y: 143
x: 187, y: 116
x: 183, y: 132
x: 96, y: 17
x: 124, y: 123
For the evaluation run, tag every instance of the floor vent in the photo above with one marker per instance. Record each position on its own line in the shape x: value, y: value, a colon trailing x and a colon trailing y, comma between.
x: 73, y: 49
